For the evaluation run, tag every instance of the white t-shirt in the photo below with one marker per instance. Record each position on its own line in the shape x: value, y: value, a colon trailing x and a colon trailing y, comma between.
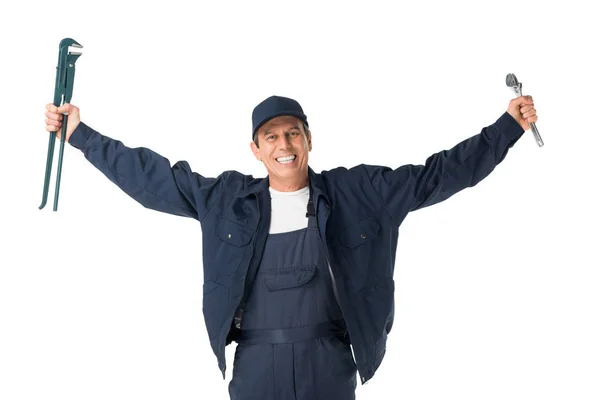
x: 288, y: 210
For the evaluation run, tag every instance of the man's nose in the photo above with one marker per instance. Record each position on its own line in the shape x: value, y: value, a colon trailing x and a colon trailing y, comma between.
x: 285, y: 142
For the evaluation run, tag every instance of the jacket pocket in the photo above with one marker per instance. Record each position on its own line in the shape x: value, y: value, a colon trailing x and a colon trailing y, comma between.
x: 234, y: 233
x: 360, y: 233
x: 230, y: 251
x: 288, y: 278
x: 357, y: 251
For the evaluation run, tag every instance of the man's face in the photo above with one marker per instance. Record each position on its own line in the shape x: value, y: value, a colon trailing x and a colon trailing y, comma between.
x: 283, y: 149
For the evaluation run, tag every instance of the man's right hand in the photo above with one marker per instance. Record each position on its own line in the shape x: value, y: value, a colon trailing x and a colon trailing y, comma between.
x: 54, y: 117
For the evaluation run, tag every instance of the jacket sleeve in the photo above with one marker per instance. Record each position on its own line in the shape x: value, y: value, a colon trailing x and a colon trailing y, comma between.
x: 412, y: 187
x: 146, y: 176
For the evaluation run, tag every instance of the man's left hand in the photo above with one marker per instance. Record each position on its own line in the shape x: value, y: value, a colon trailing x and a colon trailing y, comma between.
x: 523, y: 111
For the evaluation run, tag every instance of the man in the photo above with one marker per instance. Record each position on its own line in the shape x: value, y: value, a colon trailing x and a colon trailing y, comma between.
x: 298, y: 266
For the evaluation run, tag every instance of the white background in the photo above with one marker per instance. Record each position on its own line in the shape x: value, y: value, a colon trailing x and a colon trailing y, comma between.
x: 496, y: 288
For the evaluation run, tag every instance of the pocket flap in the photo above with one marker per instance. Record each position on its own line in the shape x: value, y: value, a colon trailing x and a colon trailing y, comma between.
x: 360, y: 232
x: 289, y: 277
x: 234, y: 233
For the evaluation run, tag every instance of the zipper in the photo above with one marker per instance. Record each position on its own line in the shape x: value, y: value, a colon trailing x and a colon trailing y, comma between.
x: 335, y: 290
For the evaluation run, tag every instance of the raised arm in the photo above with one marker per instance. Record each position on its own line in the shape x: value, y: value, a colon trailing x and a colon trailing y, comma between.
x: 412, y: 187
x: 141, y: 173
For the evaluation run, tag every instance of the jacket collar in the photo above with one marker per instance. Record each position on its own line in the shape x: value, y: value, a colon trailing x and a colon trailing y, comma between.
x: 316, y: 183
x: 255, y: 186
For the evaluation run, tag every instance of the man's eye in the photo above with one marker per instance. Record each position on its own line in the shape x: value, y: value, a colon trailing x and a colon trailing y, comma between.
x: 270, y: 137
x: 293, y: 133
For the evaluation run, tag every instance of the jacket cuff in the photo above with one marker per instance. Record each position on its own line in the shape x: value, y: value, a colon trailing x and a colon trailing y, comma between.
x: 80, y: 135
x: 509, y: 126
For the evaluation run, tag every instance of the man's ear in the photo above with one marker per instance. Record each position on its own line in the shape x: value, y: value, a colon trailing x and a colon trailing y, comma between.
x: 309, y: 138
x: 255, y: 150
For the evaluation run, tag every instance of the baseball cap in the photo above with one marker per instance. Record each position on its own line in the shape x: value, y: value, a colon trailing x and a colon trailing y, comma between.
x: 276, y: 106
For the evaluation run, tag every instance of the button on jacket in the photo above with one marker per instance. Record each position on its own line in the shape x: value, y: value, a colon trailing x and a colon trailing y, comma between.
x: 359, y: 211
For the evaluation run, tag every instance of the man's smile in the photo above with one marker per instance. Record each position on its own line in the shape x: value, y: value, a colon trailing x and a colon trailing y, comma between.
x: 286, y: 159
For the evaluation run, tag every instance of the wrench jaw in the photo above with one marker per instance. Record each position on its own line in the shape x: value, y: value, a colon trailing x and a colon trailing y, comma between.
x: 517, y: 89
x: 68, y: 42
x: 511, y: 80
x: 65, y: 71
x: 514, y: 84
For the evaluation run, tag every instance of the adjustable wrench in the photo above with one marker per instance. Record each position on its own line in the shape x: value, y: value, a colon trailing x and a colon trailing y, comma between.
x: 512, y: 82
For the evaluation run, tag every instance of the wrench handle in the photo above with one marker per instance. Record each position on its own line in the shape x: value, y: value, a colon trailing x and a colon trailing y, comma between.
x: 60, y: 159
x: 49, y: 158
x: 536, y: 134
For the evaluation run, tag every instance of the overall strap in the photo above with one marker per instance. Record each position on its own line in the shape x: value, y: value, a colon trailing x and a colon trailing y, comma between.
x: 310, y: 210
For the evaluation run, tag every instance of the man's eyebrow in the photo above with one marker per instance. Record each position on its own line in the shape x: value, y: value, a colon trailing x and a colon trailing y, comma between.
x: 297, y: 127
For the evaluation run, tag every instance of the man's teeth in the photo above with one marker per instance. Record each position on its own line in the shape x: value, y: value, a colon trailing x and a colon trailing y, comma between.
x: 286, y: 160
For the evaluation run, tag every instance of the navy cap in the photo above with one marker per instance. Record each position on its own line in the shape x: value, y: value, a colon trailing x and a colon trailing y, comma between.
x: 276, y: 106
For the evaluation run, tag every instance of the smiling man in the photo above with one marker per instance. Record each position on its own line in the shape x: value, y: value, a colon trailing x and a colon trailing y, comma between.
x: 298, y: 266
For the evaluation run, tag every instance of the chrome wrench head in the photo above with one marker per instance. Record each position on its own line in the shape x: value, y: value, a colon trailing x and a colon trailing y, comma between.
x: 512, y: 82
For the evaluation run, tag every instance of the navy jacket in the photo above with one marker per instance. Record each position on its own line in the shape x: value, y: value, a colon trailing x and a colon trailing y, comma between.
x: 359, y: 211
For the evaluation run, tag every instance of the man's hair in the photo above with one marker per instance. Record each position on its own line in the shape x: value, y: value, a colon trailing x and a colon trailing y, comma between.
x: 306, y: 132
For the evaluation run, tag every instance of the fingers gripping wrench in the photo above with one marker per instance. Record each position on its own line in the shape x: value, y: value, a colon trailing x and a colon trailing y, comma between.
x: 63, y: 91
x: 511, y: 81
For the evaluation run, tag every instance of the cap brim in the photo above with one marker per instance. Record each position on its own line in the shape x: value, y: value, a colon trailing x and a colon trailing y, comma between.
x: 296, y: 114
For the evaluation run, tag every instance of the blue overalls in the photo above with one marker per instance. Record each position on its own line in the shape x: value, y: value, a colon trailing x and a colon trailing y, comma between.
x: 292, y: 341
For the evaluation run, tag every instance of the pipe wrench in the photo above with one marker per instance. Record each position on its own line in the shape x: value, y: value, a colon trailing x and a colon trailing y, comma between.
x: 63, y: 91
x: 512, y: 82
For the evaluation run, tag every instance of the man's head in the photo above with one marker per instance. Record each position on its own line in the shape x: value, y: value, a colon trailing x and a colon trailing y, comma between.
x: 281, y: 140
